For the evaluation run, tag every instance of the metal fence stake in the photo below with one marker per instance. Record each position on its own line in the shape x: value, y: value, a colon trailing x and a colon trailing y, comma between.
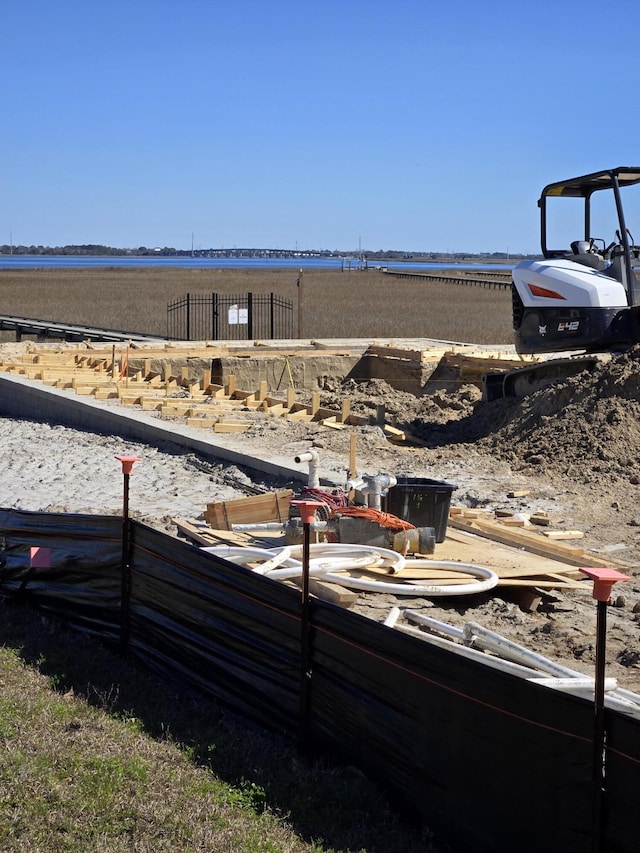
x: 307, y: 513
x: 603, y: 580
x: 125, y: 568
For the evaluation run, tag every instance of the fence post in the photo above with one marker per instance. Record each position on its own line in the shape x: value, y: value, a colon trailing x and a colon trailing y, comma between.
x: 125, y: 567
x: 188, y: 338
x: 307, y: 514
x: 271, y: 317
x: 603, y: 580
x: 299, y: 283
x: 249, y: 316
x: 214, y: 316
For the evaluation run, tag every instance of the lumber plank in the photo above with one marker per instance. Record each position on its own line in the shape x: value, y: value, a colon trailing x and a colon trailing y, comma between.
x: 540, y: 518
x: 393, y: 433
x: 202, y: 423
x: 532, y: 542
x: 272, y: 506
x: 406, y: 354
x: 563, y: 534
x: 331, y: 592
x: 209, y: 536
x: 231, y: 427
x: 545, y: 584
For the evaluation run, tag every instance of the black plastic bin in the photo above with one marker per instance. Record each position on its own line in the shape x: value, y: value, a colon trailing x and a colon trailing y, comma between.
x: 423, y: 502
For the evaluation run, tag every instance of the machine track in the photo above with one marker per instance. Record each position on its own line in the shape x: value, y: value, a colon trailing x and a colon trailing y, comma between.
x: 522, y: 381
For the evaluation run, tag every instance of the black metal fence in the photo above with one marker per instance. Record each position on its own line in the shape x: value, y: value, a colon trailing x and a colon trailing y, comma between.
x: 224, y: 317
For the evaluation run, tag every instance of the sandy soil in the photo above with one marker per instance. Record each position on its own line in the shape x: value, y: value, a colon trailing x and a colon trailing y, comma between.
x: 573, y: 446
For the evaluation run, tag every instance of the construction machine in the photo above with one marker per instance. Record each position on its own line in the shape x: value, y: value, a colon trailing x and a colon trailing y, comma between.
x: 585, y: 295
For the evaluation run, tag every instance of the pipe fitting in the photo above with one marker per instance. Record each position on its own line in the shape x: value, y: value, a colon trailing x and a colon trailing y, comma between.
x: 313, y: 459
x: 376, y: 487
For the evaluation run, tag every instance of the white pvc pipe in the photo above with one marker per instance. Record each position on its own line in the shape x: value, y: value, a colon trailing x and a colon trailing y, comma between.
x: 241, y: 555
x: 357, y: 484
x: 392, y: 618
x: 435, y: 624
x: 406, y: 588
x: 470, y: 654
x: 490, y: 640
x: 613, y: 699
x: 570, y: 684
x: 376, y: 486
x: 617, y: 702
x: 293, y: 568
x: 330, y: 550
x: 629, y: 695
x: 313, y: 459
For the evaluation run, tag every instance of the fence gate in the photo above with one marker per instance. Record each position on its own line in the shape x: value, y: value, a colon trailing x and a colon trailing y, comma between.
x: 212, y: 316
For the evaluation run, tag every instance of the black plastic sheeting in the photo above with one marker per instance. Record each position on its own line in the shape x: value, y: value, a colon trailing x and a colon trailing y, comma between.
x: 232, y: 633
x: 491, y: 762
x: 82, y: 586
x: 622, y: 783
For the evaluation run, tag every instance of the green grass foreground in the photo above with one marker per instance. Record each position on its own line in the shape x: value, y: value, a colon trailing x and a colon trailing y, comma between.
x: 334, y: 304
x: 97, y: 755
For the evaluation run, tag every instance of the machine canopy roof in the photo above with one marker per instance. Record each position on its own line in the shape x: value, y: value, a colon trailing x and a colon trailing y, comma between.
x: 585, y: 185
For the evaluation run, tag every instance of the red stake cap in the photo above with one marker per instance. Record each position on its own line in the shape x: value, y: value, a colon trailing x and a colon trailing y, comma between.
x: 603, y: 580
x: 307, y: 510
x: 127, y: 462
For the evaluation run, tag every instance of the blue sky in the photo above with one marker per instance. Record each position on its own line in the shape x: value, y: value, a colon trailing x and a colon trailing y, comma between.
x: 412, y: 124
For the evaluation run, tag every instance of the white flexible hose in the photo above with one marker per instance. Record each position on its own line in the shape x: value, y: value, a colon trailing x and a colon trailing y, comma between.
x: 487, y: 578
x: 241, y: 555
x: 330, y: 558
x: 428, y: 590
x: 293, y: 568
x: 331, y: 550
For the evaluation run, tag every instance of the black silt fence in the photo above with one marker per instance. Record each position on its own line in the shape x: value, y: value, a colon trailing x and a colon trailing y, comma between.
x: 491, y: 762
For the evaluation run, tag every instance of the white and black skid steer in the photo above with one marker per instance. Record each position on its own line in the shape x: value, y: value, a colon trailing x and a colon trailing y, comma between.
x: 585, y: 295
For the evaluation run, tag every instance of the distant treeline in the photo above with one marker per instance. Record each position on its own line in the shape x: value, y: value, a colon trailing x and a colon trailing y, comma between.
x: 97, y: 250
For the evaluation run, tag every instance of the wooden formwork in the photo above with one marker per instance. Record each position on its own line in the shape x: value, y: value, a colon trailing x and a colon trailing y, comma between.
x: 153, y: 382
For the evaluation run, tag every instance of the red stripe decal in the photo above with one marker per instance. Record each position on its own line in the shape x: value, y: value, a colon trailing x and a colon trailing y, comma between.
x: 542, y: 291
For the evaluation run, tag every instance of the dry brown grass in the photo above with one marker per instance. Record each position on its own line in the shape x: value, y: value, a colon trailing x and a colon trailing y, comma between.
x: 334, y: 304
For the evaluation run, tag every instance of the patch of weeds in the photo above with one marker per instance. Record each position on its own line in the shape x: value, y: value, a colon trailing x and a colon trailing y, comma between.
x: 249, y: 795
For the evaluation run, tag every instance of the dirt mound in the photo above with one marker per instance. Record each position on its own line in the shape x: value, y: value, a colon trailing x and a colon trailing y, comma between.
x: 440, y: 407
x: 586, y: 427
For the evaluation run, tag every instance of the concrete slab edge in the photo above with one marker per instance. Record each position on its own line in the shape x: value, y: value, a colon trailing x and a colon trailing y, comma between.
x: 21, y: 398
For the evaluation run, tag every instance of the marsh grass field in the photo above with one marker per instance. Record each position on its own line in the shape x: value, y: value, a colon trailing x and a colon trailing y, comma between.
x: 356, y: 304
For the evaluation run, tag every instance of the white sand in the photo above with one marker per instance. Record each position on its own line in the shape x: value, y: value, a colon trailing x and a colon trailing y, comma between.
x: 56, y: 468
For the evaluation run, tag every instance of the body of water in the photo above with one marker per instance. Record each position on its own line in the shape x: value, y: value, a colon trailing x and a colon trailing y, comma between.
x: 19, y: 262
